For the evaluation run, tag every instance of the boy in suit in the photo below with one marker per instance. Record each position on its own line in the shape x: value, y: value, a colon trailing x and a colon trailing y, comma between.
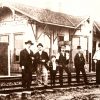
x: 53, y: 69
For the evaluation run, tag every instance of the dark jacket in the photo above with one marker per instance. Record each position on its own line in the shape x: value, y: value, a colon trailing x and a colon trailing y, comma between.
x: 51, y: 66
x: 62, y: 59
x: 43, y: 56
x: 26, y: 60
x: 79, y: 60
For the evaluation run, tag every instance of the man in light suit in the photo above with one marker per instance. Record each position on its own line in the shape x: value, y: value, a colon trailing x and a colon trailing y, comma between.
x: 26, y: 63
x: 41, y: 60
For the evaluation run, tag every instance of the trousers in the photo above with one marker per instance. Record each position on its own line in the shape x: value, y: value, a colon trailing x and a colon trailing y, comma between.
x: 78, y: 70
x: 42, y: 75
x: 61, y: 69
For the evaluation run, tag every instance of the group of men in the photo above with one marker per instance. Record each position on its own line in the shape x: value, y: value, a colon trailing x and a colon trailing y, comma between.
x: 30, y: 62
x: 41, y: 63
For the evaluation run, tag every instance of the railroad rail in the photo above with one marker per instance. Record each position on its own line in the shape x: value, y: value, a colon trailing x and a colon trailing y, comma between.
x: 13, y: 83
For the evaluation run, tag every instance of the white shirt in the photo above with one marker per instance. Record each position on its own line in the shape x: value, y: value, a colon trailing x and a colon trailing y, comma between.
x: 57, y: 56
x: 28, y: 50
x: 40, y: 52
x: 67, y: 55
x: 54, y: 65
x: 97, y: 55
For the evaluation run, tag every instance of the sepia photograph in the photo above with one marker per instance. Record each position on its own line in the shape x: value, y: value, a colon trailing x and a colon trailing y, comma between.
x: 49, y: 50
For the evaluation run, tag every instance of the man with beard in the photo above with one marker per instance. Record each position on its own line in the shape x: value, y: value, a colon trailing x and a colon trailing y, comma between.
x: 79, y: 62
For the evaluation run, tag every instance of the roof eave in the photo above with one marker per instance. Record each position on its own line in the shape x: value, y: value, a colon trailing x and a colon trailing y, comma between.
x: 81, y: 22
x: 97, y: 26
x: 39, y: 20
x: 58, y: 25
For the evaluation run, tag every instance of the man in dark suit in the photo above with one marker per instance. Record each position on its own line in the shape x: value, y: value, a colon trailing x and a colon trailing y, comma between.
x: 63, y: 61
x: 26, y: 63
x: 79, y: 62
x: 41, y: 59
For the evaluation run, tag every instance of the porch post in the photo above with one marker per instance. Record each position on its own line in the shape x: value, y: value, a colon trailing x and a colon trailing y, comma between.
x: 34, y: 30
x: 11, y: 47
x: 33, y: 26
x: 51, y: 44
x: 9, y: 64
x: 90, y: 44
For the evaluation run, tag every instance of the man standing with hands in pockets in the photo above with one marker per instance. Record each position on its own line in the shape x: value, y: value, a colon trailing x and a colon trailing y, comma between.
x: 63, y: 61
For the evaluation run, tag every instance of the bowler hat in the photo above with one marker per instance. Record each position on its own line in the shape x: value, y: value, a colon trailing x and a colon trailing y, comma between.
x: 99, y: 45
x: 67, y: 51
x: 40, y: 44
x: 53, y: 56
x: 29, y: 42
x: 78, y: 47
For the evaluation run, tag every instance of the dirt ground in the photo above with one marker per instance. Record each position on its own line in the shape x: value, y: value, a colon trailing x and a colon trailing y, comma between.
x: 70, y: 93
x: 85, y: 92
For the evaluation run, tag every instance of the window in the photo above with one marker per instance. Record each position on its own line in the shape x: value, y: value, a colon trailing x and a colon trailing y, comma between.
x: 61, y: 41
x: 61, y: 38
x: 4, y: 38
x: 18, y: 46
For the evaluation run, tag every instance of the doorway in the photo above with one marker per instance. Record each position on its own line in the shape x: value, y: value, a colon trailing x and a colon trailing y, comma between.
x: 3, y: 58
x: 93, y: 51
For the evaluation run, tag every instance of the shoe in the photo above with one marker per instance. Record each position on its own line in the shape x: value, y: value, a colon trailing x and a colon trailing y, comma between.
x: 45, y: 86
x: 69, y: 84
x: 86, y: 83
x: 61, y: 85
x: 28, y: 88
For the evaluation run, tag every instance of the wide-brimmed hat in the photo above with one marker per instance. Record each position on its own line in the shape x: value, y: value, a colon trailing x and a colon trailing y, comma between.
x: 29, y: 42
x: 40, y: 44
x: 78, y: 47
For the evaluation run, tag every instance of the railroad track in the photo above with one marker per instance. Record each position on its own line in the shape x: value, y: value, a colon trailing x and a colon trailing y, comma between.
x: 13, y: 83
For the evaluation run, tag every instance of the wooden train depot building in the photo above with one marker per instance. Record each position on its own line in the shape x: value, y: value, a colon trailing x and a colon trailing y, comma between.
x: 19, y: 23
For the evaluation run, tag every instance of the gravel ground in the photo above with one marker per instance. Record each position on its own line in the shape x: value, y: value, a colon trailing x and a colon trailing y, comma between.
x: 70, y: 93
x: 85, y: 92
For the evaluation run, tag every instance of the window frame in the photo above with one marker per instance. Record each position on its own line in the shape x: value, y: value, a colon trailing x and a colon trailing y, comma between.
x: 15, y: 56
x: 4, y: 35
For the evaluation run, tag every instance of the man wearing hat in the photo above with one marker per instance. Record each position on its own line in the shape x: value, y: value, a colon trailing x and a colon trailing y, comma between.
x: 41, y: 59
x: 63, y: 61
x: 96, y: 59
x: 79, y: 62
x: 26, y: 63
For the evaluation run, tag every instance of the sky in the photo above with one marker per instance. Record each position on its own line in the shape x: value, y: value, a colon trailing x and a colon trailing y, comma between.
x: 73, y: 7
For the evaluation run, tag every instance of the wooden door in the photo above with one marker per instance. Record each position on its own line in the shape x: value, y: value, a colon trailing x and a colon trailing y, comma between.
x: 3, y: 58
